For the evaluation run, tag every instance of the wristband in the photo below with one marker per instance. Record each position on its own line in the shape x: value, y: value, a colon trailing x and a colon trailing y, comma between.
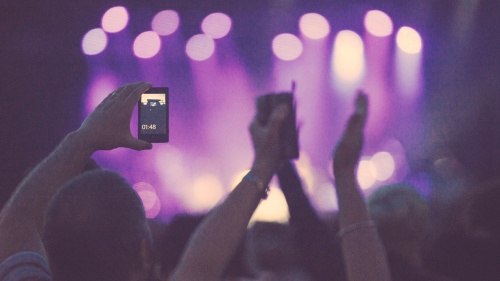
x: 355, y: 226
x: 263, y: 188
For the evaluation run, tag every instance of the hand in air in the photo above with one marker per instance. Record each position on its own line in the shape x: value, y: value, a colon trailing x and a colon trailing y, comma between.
x: 108, y: 126
x: 266, y: 138
x: 348, y: 150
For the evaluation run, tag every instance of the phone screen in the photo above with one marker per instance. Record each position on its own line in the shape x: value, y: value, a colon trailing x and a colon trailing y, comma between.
x: 153, y: 115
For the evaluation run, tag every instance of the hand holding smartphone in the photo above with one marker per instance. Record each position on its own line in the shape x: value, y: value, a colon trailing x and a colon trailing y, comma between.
x: 153, y: 115
x: 288, y: 134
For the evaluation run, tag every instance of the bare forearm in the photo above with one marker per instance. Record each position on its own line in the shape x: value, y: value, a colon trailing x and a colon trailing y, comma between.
x: 23, y: 215
x: 352, y: 207
x: 362, y: 249
x: 216, y: 239
x: 364, y: 255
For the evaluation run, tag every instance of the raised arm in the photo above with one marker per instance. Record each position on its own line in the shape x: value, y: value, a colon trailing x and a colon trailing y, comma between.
x: 362, y: 249
x: 318, y: 254
x: 107, y: 127
x: 215, y: 241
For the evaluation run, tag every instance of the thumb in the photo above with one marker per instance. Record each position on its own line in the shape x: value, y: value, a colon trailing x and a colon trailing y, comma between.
x: 137, y: 144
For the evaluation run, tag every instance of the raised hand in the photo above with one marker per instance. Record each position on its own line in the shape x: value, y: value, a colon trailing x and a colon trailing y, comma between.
x: 266, y: 140
x: 348, y: 150
x: 108, y: 126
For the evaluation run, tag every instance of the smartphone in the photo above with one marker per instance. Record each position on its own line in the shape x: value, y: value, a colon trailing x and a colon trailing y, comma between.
x: 288, y: 135
x: 153, y: 115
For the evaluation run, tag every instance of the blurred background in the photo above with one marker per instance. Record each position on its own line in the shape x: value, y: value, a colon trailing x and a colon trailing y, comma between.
x: 431, y: 70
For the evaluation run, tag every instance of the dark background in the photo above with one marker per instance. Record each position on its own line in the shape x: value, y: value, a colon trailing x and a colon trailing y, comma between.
x: 43, y: 73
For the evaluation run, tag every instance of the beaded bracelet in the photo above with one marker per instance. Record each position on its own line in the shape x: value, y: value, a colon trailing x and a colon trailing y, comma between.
x: 354, y: 226
x: 257, y: 183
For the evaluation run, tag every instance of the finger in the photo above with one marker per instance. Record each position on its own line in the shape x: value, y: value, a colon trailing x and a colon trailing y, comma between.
x: 113, y: 96
x: 118, y: 91
x: 361, y: 105
x: 137, y: 144
x: 127, y: 89
x: 136, y: 93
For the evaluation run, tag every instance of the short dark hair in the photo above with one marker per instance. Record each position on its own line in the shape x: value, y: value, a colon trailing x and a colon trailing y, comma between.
x: 94, y: 228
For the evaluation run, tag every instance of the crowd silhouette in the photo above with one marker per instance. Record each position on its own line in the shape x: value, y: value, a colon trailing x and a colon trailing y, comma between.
x: 70, y: 220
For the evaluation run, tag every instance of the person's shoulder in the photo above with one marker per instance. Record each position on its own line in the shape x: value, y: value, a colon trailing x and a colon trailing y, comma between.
x: 25, y: 266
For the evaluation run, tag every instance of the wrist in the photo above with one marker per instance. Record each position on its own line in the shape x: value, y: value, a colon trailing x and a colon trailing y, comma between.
x: 259, y: 185
x: 262, y: 171
x: 80, y: 143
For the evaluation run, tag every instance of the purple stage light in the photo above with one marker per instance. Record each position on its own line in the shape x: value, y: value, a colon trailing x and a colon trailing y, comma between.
x: 378, y: 23
x: 165, y: 22
x: 200, y: 47
x: 147, y: 45
x: 408, y: 63
x: 287, y: 47
x: 348, y: 56
x: 99, y: 89
x: 366, y: 174
x: 314, y: 26
x: 274, y: 208
x: 408, y: 40
x: 149, y: 198
x: 216, y: 25
x: 94, y: 42
x: 207, y: 191
x: 385, y: 165
x: 115, y: 19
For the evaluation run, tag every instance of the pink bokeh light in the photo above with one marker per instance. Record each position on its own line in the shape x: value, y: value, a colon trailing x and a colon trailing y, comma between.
x: 94, y: 42
x: 314, y: 26
x: 200, y: 47
x: 149, y: 198
x: 216, y: 25
x: 165, y: 22
x: 115, y: 19
x: 147, y: 45
x: 287, y: 46
x: 408, y: 40
x: 378, y: 23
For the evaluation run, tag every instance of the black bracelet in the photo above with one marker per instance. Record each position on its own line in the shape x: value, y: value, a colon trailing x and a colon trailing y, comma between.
x: 263, y: 188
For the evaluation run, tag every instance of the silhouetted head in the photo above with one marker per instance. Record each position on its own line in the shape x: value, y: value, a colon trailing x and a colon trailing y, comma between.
x: 96, y: 229
x: 174, y: 239
x: 271, y: 249
x: 400, y: 212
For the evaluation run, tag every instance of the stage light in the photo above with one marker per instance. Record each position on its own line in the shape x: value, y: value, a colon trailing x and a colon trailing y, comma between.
x: 99, y: 88
x: 384, y: 164
x: 366, y: 174
x: 314, y: 26
x: 200, y: 47
x: 348, y: 56
x: 94, y: 42
x: 165, y: 22
x: 408, y: 40
x: 206, y: 193
x: 274, y: 208
x: 216, y: 25
x: 306, y: 172
x: 236, y: 179
x: 378, y: 23
x: 149, y: 198
x: 115, y: 19
x: 325, y: 197
x: 147, y: 45
x: 287, y: 47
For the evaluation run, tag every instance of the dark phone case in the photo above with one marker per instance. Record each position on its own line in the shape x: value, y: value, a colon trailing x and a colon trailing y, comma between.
x: 155, y: 138
x: 288, y: 134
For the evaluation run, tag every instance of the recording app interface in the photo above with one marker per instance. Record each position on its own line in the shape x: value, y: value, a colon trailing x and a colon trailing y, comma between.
x: 153, y: 114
